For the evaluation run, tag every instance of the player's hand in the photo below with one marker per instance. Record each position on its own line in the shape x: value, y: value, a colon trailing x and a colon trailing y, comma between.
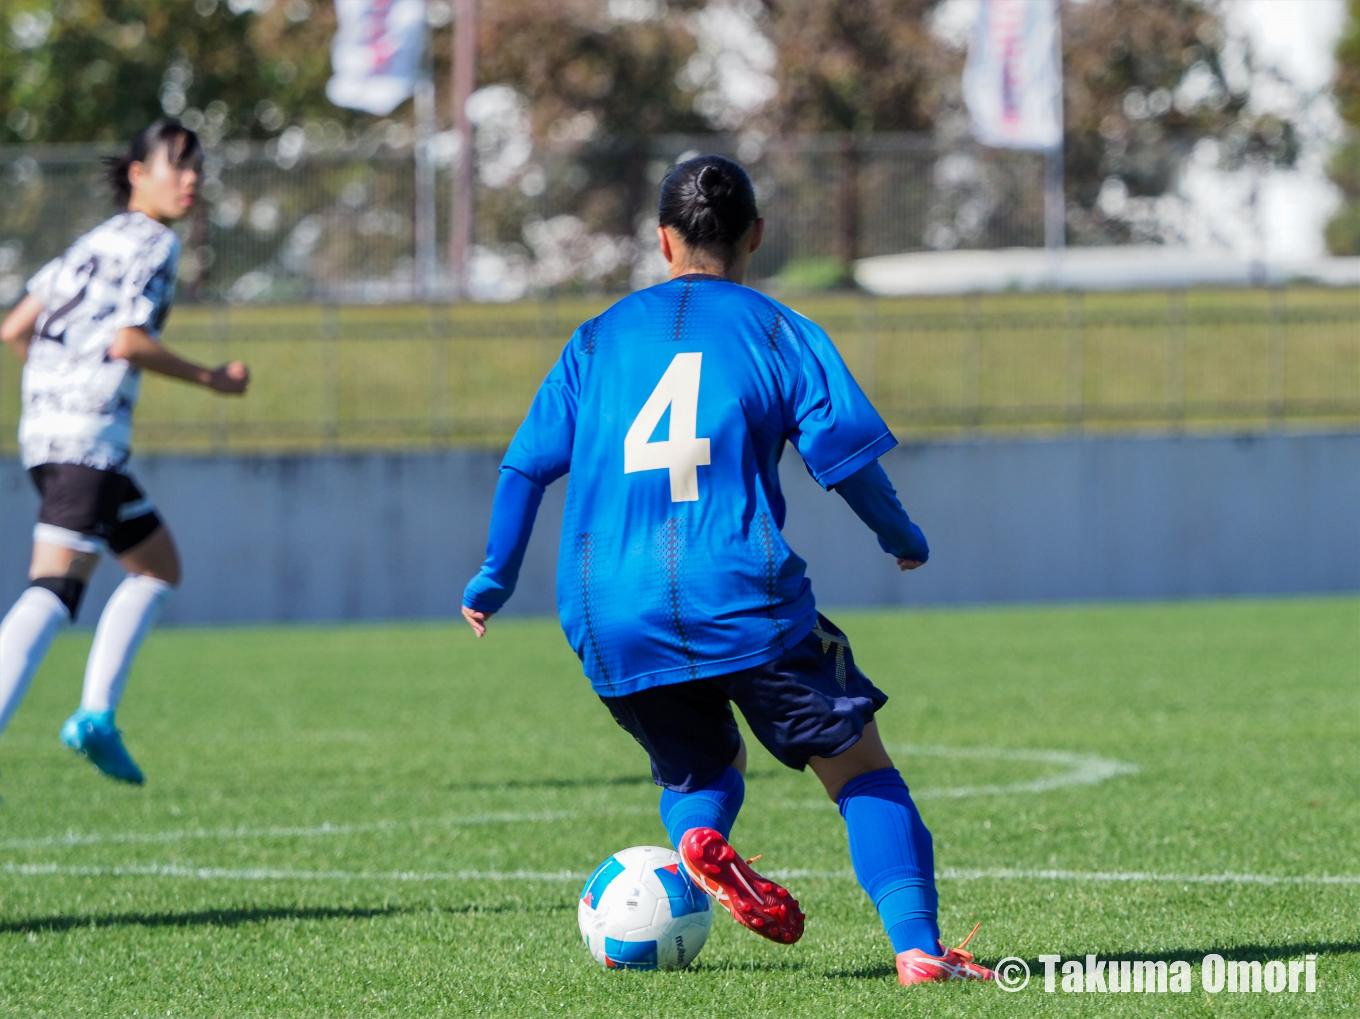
x: 232, y: 378
x: 908, y: 564
x: 477, y: 620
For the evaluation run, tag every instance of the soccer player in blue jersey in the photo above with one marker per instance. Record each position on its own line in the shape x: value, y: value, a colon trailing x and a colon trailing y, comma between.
x: 675, y: 585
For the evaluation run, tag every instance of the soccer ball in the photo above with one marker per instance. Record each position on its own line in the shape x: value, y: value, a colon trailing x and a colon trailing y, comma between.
x: 639, y: 910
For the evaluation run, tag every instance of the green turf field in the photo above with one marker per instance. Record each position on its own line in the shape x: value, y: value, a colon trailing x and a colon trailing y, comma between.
x: 334, y: 816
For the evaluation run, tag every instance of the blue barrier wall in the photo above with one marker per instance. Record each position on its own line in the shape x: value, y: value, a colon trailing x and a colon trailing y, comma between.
x: 379, y: 535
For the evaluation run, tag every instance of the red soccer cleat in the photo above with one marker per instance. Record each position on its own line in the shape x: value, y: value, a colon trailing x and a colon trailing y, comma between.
x: 916, y: 967
x: 753, y: 901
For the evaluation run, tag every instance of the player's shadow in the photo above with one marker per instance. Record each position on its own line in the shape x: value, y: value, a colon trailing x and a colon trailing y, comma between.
x: 1191, y: 955
x: 240, y: 917
x: 642, y: 779
x: 1235, y: 953
x: 551, y: 783
x: 747, y: 966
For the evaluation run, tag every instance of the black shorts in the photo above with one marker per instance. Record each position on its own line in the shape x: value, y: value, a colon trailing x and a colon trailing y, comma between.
x: 812, y: 702
x: 84, y: 508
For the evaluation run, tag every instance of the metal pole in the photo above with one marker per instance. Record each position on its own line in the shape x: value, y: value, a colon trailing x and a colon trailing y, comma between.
x: 330, y: 375
x: 1055, y: 202
x: 425, y: 197
x: 463, y: 205
x: 1277, y: 376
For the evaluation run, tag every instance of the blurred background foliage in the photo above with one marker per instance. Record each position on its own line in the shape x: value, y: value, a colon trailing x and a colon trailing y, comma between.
x: 1343, y: 232
x: 100, y: 70
x: 588, y: 85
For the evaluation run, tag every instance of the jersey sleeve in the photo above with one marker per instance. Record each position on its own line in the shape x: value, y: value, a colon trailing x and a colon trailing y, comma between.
x: 150, y: 290
x: 40, y: 286
x: 871, y: 495
x: 512, y: 524
x: 541, y: 449
x: 835, y: 427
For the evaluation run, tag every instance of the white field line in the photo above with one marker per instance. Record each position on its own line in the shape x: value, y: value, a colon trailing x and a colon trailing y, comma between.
x: 1082, y: 770
x: 948, y: 874
x: 282, y: 874
x: 315, y: 831
x: 1113, y: 877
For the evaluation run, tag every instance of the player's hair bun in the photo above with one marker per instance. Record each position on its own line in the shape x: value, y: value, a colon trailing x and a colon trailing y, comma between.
x: 706, y: 184
x: 179, y: 142
x: 711, y: 202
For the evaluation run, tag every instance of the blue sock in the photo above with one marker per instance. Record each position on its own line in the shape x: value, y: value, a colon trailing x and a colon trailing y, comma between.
x: 714, y: 806
x: 893, y: 856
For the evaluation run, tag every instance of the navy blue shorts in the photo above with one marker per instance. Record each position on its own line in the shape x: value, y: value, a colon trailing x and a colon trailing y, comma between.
x: 812, y: 702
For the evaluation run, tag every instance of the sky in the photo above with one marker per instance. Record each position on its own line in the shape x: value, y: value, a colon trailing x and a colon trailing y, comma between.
x: 1298, y: 37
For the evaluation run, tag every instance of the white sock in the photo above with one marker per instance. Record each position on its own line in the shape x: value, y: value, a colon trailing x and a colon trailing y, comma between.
x: 25, y: 635
x: 131, y: 611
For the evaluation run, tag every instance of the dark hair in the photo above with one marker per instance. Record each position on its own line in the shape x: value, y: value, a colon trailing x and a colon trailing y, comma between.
x: 711, y: 202
x: 181, y: 146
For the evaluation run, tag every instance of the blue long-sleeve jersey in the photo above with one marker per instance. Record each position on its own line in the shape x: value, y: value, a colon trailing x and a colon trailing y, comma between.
x: 671, y: 410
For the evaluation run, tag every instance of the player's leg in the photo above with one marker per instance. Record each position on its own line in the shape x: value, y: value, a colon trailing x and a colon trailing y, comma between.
x: 145, y: 549
x: 66, y: 549
x: 713, y: 805
x: 813, y: 706
x: 153, y: 574
x: 890, y: 846
x: 698, y: 759
x: 57, y: 574
x: 696, y: 752
x: 894, y: 859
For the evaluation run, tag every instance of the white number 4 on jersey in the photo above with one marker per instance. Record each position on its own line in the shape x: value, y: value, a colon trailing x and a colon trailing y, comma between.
x: 682, y: 454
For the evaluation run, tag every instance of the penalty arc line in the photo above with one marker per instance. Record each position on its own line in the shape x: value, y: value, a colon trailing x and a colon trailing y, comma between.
x: 947, y: 874
x: 1083, y: 770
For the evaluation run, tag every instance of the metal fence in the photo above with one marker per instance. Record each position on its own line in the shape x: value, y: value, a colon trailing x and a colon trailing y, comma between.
x: 421, y: 376
x: 310, y: 220
x: 301, y: 260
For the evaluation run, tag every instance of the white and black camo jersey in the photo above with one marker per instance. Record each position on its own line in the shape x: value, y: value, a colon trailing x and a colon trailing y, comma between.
x: 77, y: 401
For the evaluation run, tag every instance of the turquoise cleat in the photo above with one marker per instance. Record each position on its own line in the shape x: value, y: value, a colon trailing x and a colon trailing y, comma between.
x: 92, y: 733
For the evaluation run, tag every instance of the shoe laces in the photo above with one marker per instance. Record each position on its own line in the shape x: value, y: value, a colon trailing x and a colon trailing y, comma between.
x: 958, y: 950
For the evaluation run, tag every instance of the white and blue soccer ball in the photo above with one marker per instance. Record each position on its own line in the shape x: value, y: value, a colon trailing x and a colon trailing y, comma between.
x: 639, y: 910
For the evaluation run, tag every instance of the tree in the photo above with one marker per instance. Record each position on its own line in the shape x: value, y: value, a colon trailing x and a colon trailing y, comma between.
x: 100, y: 70
x: 857, y: 65
x: 1343, y: 232
x: 575, y: 57
x: 590, y: 82
x: 599, y: 80
x: 851, y: 67
x: 1145, y: 82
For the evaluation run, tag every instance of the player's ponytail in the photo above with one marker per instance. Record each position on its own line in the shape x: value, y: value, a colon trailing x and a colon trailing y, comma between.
x: 180, y: 144
x: 711, y: 202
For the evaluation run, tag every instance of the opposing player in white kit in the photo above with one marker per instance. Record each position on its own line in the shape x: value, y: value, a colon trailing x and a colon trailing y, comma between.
x: 87, y: 329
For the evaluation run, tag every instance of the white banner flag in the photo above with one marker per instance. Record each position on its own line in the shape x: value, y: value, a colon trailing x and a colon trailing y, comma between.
x: 1012, y: 82
x: 376, y: 53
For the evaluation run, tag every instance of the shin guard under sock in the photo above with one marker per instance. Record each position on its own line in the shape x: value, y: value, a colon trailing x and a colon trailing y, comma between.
x: 25, y: 635
x: 714, y: 806
x: 128, y: 616
x: 893, y: 856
